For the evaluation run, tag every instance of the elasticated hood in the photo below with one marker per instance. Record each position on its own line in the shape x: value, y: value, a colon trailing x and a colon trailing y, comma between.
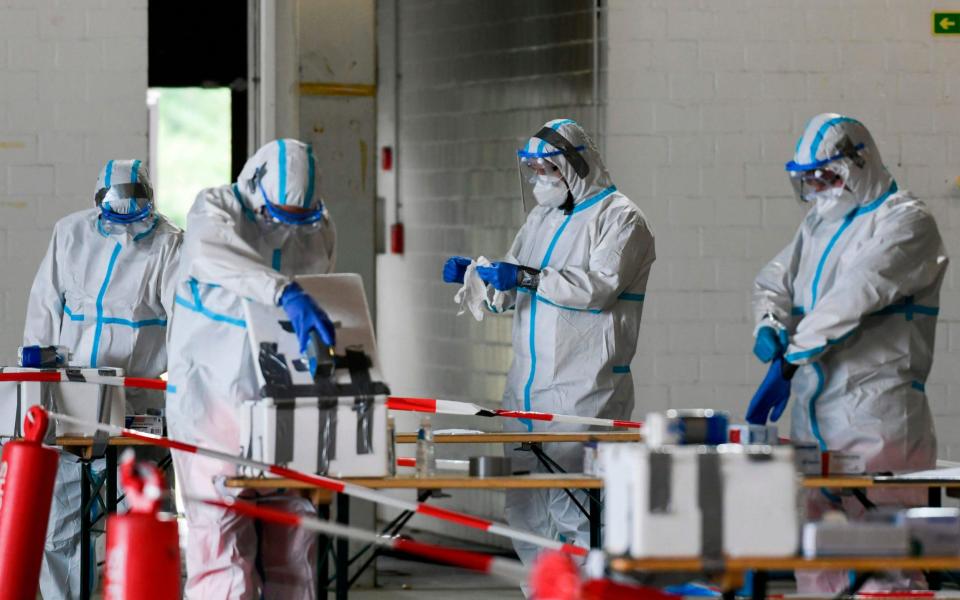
x: 283, y: 172
x: 582, y: 187
x: 826, y: 142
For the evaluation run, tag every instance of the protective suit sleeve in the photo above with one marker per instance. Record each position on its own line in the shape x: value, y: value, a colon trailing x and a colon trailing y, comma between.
x: 168, y: 275
x: 623, y: 249
x: 507, y: 299
x: 45, y: 305
x: 773, y: 286
x: 215, y: 251
x: 904, y: 256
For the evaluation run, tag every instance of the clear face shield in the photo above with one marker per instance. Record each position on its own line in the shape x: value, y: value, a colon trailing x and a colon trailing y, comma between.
x: 540, y: 176
x: 807, y: 184
x: 810, y: 179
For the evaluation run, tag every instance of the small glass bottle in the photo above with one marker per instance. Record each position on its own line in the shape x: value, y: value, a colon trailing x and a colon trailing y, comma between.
x: 426, y: 458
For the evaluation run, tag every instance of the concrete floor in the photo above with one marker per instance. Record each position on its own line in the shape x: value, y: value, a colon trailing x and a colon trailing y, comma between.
x: 402, y: 580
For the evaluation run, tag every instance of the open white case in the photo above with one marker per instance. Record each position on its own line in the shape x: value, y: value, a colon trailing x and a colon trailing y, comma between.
x: 341, y: 433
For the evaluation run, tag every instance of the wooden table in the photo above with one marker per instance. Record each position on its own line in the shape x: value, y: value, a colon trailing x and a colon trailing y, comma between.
x: 525, y: 438
x: 535, y: 481
x: 83, y: 447
x: 425, y: 486
x: 731, y: 571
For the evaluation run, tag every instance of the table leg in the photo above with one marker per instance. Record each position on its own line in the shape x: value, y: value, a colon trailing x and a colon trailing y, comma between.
x: 111, y: 459
x: 595, y: 517
x: 323, y: 554
x: 758, y: 587
x: 343, y: 549
x: 85, y: 526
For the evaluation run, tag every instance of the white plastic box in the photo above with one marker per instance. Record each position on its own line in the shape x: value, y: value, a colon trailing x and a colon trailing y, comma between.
x: 266, y: 436
x: 654, y: 505
x: 289, y: 430
x: 77, y: 399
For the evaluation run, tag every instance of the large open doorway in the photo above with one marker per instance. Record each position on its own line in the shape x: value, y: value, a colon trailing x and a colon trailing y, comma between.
x: 198, y: 98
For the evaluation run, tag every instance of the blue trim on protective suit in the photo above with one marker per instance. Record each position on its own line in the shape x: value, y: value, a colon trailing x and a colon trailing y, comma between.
x: 135, y: 324
x: 797, y: 311
x: 533, y: 297
x: 554, y: 126
x: 108, y: 174
x: 171, y: 389
x: 632, y: 297
x: 150, y: 230
x: 276, y: 259
x: 814, y: 425
x: 817, y: 139
x: 103, y: 290
x: 793, y: 166
x: 198, y: 307
x: 621, y: 368
x: 310, y: 174
x: 282, y: 160
x: 836, y: 236
x: 73, y: 316
x: 908, y: 309
x: 918, y: 385
x: 814, y: 351
x: 554, y: 304
x: 247, y: 211
x: 591, y: 201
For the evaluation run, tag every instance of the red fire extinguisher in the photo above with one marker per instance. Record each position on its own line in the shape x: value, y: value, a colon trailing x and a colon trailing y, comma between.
x: 143, y: 549
x: 27, y: 473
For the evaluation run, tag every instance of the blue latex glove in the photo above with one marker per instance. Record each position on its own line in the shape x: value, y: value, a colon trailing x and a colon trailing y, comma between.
x: 501, y: 275
x: 770, y: 343
x: 771, y: 398
x: 454, y: 269
x: 306, y: 316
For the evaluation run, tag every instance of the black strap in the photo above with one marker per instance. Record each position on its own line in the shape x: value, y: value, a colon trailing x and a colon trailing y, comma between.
x: 126, y: 190
x: 569, y: 151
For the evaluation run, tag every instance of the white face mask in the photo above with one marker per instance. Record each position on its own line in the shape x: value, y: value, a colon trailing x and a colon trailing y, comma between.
x: 833, y: 203
x: 550, y: 191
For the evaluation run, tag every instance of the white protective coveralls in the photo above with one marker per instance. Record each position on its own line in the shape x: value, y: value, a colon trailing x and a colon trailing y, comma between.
x: 233, y: 251
x: 104, y: 291
x: 858, y: 292
x: 574, y: 339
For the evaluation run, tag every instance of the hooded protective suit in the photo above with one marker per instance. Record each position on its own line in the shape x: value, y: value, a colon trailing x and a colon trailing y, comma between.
x: 575, y: 336
x: 104, y: 291
x: 234, y: 250
x: 858, y: 291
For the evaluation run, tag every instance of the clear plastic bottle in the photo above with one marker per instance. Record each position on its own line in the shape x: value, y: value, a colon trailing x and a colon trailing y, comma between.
x: 391, y: 447
x: 426, y: 458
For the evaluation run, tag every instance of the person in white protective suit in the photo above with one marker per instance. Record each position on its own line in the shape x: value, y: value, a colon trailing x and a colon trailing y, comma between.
x: 847, y: 313
x: 576, y: 275
x: 244, y: 240
x: 104, y: 290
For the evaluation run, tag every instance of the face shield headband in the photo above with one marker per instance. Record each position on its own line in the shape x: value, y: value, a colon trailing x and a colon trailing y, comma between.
x: 279, y: 215
x: 126, y: 190
x: 568, y: 150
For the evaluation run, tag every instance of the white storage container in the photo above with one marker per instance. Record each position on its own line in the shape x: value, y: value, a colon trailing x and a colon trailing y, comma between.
x: 77, y: 399
x: 290, y: 435
x: 291, y: 425
x: 688, y: 501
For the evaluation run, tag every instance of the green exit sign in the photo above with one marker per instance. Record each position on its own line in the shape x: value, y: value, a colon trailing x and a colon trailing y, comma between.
x: 946, y: 23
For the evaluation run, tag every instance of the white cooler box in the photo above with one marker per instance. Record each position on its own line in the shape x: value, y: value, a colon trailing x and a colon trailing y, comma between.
x: 291, y: 436
x: 287, y: 426
x: 80, y: 400
x: 655, y: 505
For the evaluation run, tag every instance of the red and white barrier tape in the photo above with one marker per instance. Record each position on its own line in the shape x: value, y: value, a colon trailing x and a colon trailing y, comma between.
x: 454, y: 407
x: 508, y: 569
x: 336, y: 485
x: 63, y: 376
x: 443, y: 464
x: 427, y: 405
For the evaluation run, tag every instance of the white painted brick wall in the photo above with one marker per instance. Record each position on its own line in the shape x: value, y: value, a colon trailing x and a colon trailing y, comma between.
x: 726, y: 86
x: 73, y: 82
